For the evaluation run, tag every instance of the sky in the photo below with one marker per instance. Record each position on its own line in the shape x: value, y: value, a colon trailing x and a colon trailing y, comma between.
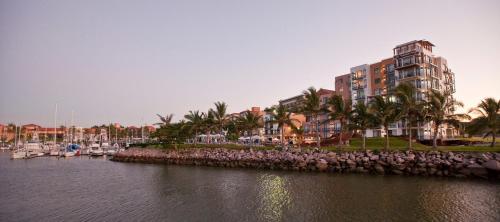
x: 125, y: 61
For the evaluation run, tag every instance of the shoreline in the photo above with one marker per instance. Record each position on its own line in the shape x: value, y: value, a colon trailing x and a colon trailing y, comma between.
x: 412, y: 163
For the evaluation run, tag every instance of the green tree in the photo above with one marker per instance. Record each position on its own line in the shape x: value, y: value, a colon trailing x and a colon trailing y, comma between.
x: 384, y: 113
x: 362, y: 119
x: 164, y: 120
x: 194, y: 123
x: 299, y: 133
x: 208, y: 124
x: 220, y: 116
x: 440, y: 109
x: 249, y: 122
x: 488, y: 121
x: 340, y: 110
x: 280, y: 115
x: 312, y: 108
x: 411, y: 107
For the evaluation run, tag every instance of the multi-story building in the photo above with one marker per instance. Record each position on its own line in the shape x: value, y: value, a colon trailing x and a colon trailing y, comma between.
x: 382, y: 77
x: 293, y: 103
x: 343, y: 86
x: 325, y: 127
x: 412, y: 62
x: 360, y: 83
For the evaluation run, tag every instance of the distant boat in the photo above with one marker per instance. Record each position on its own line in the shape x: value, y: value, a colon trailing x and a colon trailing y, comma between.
x: 95, y: 150
x: 34, y: 149
x: 72, y: 150
x: 19, y: 154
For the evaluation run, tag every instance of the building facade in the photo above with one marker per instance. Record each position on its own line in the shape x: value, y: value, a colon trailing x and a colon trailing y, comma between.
x: 412, y: 62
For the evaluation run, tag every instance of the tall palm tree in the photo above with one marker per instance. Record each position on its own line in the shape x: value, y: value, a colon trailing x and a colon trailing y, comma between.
x: 439, y: 109
x: 312, y: 107
x: 361, y: 119
x: 208, y: 124
x: 299, y: 133
x: 488, y: 121
x: 384, y: 113
x: 220, y: 116
x: 280, y: 115
x: 340, y: 110
x: 164, y: 120
x: 250, y: 121
x: 411, y: 107
x: 194, y: 123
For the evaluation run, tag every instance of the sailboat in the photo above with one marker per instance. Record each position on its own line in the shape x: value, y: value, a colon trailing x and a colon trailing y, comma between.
x: 54, y: 150
x: 95, y: 148
x: 18, y: 153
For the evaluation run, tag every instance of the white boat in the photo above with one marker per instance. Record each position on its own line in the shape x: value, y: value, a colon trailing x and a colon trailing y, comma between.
x: 54, y: 153
x: 34, y: 149
x: 85, y: 151
x: 111, y: 152
x: 19, y: 154
x: 69, y: 154
x: 95, y: 150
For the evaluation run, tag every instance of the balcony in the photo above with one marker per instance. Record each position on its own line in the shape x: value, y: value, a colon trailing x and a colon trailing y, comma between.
x: 358, y: 86
x: 358, y: 77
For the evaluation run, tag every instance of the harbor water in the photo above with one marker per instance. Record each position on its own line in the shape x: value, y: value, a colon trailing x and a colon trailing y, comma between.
x: 96, y: 189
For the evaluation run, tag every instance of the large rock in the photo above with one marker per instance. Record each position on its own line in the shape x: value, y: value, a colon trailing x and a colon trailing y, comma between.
x: 478, y: 170
x: 322, y: 165
x: 492, y: 165
x: 374, y: 157
x: 379, y: 169
x: 351, y: 164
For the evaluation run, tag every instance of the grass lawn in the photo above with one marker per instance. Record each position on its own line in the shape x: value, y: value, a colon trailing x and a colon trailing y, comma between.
x: 396, y: 143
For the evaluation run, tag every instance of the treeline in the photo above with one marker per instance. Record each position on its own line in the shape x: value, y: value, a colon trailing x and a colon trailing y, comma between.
x: 402, y: 104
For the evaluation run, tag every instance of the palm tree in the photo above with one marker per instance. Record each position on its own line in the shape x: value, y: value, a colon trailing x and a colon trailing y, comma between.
x: 220, y: 115
x: 411, y: 107
x: 299, y: 132
x: 488, y: 121
x: 194, y: 123
x: 280, y: 115
x: 250, y: 122
x: 384, y: 113
x: 340, y: 110
x: 165, y: 120
x: 362, y: 119
x: 208, y: 124
x: 439, y: 109
x: 312, y: 107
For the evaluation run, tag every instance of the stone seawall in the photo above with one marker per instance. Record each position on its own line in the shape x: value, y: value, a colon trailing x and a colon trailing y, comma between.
x: 430, y: 163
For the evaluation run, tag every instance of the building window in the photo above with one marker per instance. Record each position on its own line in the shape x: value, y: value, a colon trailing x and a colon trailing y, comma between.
x: 377, y: 80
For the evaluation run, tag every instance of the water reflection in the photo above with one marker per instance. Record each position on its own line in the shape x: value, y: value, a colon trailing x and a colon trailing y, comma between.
x: 83, y: 189
x: 274, y: 197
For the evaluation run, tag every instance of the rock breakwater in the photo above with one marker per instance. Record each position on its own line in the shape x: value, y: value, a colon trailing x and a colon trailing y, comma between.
x: 429, y: 163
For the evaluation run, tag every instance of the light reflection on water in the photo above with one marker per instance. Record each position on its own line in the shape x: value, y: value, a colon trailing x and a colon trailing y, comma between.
x: 83, y: 189
x: 274, y: 197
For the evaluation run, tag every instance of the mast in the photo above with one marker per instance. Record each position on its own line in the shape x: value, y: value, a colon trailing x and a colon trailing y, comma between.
x: 116, y: 135
x: 72, y: 127
x: 142, y: 130
x: 55, y: 126
x: 109, y: 133
x: 15, y: 137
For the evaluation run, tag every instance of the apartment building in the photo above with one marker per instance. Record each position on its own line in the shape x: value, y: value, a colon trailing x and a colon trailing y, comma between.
x: 325, y: 127
x: 412, y: 62
x: 343, y: 86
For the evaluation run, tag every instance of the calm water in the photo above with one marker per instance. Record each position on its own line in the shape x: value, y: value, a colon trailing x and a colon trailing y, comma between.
x: 83, y: 189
